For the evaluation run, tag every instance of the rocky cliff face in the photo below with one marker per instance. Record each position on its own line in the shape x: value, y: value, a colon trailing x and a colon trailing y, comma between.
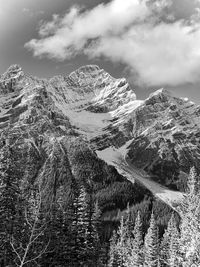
x: 166, y: 137
x: 55, y: 126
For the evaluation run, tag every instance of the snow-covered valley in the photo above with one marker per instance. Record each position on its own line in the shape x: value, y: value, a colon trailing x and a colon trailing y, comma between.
x: 117, y: 158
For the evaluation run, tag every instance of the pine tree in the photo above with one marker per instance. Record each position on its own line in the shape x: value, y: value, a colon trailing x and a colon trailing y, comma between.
x: 190, y: 221
x: 174, y: 245
x: 82, y: 226
x: 151, y: 244
x: 137, y: 243
x: 122, y: 243
x: 170, y: 244
x: 126, y: 247
x: 129, y: 222
x: 113, y: 253
x: 118, y: 248
x: 70, y: 248
x: 85, y: 230
x: 95, y: 239
x: 192, y: 183
x: 78, y: 227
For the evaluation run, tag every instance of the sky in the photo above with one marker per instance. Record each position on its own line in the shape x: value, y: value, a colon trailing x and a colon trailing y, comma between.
x: 152, y: 43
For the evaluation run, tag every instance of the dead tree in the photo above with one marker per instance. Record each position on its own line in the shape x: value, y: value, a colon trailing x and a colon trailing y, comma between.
x: 29, y: 252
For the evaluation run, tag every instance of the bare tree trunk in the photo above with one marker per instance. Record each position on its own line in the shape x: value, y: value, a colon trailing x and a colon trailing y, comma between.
x: 22, y: 252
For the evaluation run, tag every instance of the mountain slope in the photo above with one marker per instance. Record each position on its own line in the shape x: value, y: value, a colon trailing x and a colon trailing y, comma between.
x: 117, y: 158
x: 53, y: 126
x: 58, y: 127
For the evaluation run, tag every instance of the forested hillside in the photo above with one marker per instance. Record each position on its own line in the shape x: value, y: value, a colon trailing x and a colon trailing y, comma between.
x: 61, y: 203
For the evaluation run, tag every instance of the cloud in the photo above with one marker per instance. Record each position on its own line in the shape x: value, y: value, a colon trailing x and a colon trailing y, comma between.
x: 160, y: 54
x: 32, y: 13
x: 130, y: 32
x: 67, y: 35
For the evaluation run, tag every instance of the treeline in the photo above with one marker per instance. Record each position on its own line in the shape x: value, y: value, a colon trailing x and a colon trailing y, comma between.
x: 178, y: 247
x: 66, y: 234
x: 66, y: 230
x: 110, y: 188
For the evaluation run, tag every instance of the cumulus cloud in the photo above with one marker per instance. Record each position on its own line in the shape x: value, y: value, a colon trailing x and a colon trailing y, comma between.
x: 32, y: 13
x: 67, y: 35
x: 160, y: 52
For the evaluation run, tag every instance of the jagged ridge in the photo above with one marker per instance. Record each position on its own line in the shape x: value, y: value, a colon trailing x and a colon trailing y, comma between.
x: 103, y: 111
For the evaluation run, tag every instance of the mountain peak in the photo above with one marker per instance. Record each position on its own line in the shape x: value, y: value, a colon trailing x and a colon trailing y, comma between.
x: 88, y: 69
x: 10, y: 78
x: 87, y: 73
x: 14, y: 68
x: 13, y: 71
x: 161, y: 95
x: 161, y: 91
x: 94, y: 86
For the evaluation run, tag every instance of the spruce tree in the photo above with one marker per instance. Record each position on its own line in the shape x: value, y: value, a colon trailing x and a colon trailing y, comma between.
x: 137, y: 243
x: 96, y: 251
x: 192, y: 182
x: 174, y: 244
x: 151, y: 245
x: 129, y: 222
x: 119, y: 250
x: 79, y: 227
x: 113, y: 253
x: 85, y: 229
x: 170, y: 244
x: 190, y: 221
x: 124, y: 241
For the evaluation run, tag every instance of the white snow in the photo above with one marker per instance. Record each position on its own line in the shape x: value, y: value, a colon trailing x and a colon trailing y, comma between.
x: 117, y: 158
x: 159, y: 91
x: 126, y: 108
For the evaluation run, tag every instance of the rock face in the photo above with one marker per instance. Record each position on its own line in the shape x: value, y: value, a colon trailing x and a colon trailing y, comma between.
x: 166, y: 137
x: 10, y: 78
x: 55, y: 126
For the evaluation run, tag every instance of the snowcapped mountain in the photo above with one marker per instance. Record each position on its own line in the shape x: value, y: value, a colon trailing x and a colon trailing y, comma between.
x: 89, y: 126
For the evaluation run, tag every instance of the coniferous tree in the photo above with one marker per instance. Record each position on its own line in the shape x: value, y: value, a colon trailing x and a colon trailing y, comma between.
x: 151, y: 245
x: 136, y: 258
x: 96, y: 252
x: 190, y: 221
x: 129, y: 222
x: 57, y: 233
x: 118, y: 249
x: 70, y: 247
x: 10, y: 212
x: 126, y: 246
x: 82, y: 226
x: 122, y: 243
x: 170, y: 244
x: 84, y: 230
x: 113, y: 253
x: 174, y: 244
x: 192, y: 182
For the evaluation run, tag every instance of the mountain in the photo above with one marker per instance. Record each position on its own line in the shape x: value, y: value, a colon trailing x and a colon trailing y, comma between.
x: 53, y: 128
x: 87, y: 126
